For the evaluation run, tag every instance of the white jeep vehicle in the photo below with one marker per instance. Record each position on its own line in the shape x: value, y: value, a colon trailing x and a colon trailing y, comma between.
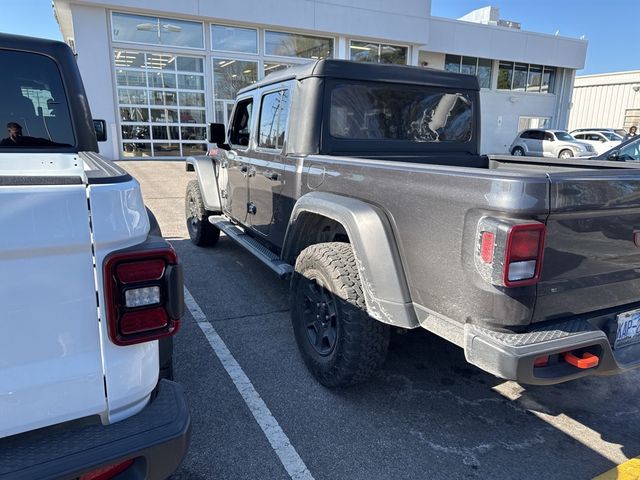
x: 87, y: 289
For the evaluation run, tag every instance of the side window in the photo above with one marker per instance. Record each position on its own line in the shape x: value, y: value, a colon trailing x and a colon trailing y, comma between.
x: 579, y: 136
x: 547, y: 136
x: 240, y: 131
x: 274, y: 117
x: 630, y: 152
x: 526, y: 134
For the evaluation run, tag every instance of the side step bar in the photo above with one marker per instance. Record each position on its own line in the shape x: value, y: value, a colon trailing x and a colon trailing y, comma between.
x: 254, y: 247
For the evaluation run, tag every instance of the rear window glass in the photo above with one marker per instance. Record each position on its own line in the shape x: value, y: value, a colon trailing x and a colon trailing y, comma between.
x: 33, y: 106
x: 400, y: 112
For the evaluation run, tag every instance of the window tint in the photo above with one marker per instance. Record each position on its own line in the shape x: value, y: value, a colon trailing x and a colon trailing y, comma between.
x: 580, y: 136
x: 564, y: 136
x: 526, y: 134
x: 241, y: 124
x: 400, y: 112
x: 33, y: 105
x: 548, y: 137
x: 630, y: 152
x: 274, y: 116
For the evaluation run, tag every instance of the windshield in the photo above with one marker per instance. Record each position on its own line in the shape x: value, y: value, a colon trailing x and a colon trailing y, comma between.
x: 564, y: 136
x: 612, y: 136
x: 33, y: 105
x: 399, y: 112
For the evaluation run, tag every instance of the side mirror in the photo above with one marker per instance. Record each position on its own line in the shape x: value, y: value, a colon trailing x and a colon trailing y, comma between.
x: 217, y: 133
x: 614, y: 156
x: 100, y: 126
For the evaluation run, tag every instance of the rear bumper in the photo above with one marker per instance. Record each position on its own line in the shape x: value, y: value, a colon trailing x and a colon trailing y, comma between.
x: 157, y: 438
x: 512, y: 355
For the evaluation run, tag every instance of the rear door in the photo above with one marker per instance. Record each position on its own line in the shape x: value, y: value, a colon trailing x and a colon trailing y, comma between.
x: 50, y: 356
x: 592, y: 250
x: 268, y: 159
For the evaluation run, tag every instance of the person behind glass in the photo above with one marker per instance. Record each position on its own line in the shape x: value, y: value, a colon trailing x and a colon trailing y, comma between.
x: 17, y: 139
x: 14, y: 130
x: 632, y: 133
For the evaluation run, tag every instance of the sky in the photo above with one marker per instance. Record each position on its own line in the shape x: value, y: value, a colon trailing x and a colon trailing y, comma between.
x: 610, y: 26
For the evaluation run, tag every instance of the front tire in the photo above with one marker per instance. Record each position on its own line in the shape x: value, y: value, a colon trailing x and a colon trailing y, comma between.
x: 566, y: 153
x: 201, y: 232
x: 518, y: 152
x: 339, y: 342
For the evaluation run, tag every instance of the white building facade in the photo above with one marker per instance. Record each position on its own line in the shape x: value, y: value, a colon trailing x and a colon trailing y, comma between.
x: 159, y: 71
x: 609, y: 100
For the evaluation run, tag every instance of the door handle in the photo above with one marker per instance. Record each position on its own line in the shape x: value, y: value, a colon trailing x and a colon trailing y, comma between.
x: 271, y: 175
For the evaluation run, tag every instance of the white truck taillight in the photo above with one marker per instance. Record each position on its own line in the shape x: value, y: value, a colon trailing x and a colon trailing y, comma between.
x: 508, y: 253
x: 143, y: 293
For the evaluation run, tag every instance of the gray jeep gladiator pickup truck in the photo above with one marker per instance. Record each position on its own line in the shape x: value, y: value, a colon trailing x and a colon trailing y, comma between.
x: 365, y: 183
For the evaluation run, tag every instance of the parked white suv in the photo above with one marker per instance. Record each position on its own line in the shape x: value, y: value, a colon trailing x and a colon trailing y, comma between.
x: 549, y: 143
x: 601, y: 141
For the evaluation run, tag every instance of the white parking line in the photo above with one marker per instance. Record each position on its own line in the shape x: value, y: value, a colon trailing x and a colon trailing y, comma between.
x: 279, y: 441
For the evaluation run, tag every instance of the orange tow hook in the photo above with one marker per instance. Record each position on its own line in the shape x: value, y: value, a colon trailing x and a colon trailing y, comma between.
x: 588, y: 360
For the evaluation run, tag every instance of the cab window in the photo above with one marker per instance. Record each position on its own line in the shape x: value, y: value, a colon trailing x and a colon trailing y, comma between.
x: 33, y: 105
x: 274, y: 116
x: 240, y: 131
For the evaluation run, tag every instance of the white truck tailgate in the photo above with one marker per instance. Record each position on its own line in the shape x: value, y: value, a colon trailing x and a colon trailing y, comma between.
x: 50, y: 356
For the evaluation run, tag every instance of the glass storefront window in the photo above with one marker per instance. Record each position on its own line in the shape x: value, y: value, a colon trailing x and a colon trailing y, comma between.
x: 190, y: 64
x: 129, y: 78
x: 295, y: 45
x: 191, y: 82
x: 162, y: 80
x: 377, y: 53
x: 234, y: 39
x: 469, y: 65
x: 134, y: 114
x: 230, y: 75
x: 166, y: 109
x: 125, y: 58
x: 130, y: 96
x: 452, y: 63
x: 535, y: 78
x: 156, y: 30
x: 484, y: 72
x: 505, y: 75
x: 164, y: 115
x: 520, y: 77
x: 270, y: 67
x: 548, y: 80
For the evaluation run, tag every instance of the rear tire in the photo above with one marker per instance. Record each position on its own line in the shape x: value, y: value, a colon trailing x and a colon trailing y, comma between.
x: 201, y: 232
x: 518, y: 152
x: 566, y: 153
x: 339, y: 342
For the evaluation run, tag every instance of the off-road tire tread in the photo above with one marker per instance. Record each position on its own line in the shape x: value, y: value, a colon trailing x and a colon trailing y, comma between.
x: 362, y: 341
x: 206, y: 235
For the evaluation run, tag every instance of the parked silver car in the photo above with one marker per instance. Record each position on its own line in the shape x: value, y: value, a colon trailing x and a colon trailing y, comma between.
x: 549, y: 143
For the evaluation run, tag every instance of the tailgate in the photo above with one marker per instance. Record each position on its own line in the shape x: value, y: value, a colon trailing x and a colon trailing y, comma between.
x: 592, y: 254
x: 50, y: 357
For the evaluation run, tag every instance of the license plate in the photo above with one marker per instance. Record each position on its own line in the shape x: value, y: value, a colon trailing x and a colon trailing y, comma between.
x: 628, y: 329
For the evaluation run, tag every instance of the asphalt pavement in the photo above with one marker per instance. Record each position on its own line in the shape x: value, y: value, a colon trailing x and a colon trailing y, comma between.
x: 427, y: 415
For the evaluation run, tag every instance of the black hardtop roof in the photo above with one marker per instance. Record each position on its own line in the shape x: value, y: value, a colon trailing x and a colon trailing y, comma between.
x: 375, y: 72
x: 52, y: 48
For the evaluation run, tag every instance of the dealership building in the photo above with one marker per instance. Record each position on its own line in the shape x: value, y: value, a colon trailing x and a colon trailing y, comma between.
x: 158, y: 72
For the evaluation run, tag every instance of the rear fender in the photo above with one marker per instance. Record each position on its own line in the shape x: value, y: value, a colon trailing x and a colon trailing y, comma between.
x: 375, y: 249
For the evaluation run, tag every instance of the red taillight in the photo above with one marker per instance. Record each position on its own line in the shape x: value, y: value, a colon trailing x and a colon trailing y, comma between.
x: 140, y: 271
x: 523, y: 254
x: 509, y: 254
x: 143, y: 295
x: 108, y: 472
